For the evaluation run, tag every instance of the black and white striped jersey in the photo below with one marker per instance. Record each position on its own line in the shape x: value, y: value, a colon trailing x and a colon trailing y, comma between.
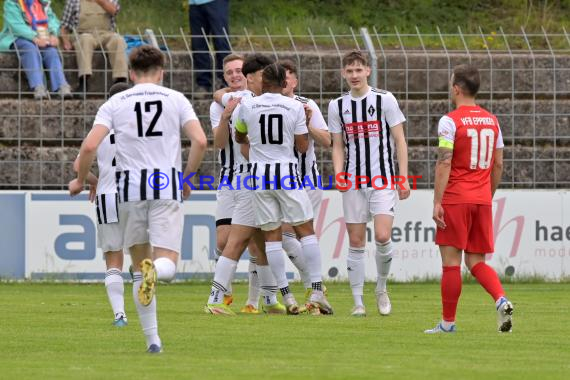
x: 147, y: 120
x: 308, y: 166
x: 106, y: 201
x: 365, y: 123
x: 230, y: 158
x: 271, y: 122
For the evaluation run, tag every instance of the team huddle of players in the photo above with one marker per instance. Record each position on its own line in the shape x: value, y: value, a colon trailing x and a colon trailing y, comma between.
x: 264, y: 131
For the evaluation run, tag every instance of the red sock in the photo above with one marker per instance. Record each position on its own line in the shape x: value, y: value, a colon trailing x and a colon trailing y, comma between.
x: 450, y: 291
x: 488, y: 279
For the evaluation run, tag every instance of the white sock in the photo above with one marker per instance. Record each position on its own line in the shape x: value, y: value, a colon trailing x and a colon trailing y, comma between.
x: 229, y: 292
x: 312, y: 255
x: 225, y: 269
x: 384, y: 253
x: 253, y: 293
x: 165, y: 269
x: 355, y: 268
x: 268, y: 285
x: 115, y: 290
x: 276, y: 260
x: 295, y: 252
x: 147, y: 314
x: 447, y: 325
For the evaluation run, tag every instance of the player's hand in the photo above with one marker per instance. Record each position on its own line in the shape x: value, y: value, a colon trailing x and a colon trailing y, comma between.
x: 438, y: 215
x: 308, y: 113
x: 75, y: 187
x: 40, y: 42
x: 186, y: 190
x: 403, y: 190
x: 231, y: 106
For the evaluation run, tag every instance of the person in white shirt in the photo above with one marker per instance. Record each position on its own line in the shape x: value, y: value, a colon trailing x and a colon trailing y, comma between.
x: 147, y: 120
x: 275, y: 125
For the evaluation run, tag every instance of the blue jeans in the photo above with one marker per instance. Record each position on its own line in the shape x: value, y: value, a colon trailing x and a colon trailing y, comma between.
x: 213, y: 18
x: 32, y: 57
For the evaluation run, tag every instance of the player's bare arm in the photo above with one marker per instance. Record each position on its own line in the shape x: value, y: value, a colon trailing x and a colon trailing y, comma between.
x: 222, y: 133
x: 302, y: 142
x: 442, y: 170
x: 91, y: 179
x: 195, y: 134
x: 321, y: 136
x: 220, y: 93
x: 402, y: 153
x: 337, y: 153
x: 497, y: 171
x: 86, y: 156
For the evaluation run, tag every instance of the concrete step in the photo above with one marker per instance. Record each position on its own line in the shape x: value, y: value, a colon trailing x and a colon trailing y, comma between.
x: 522, y: 121
x: 415, y: 73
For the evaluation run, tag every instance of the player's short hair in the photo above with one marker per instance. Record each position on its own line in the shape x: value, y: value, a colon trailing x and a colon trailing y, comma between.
x: 146, y: 58
x: 255, y: 62
x: 232, y: 57
x: 467, y: 78
x: 274, y: 75
x: 288, y: 65
x: 353, y: 57
x: 118, y: 87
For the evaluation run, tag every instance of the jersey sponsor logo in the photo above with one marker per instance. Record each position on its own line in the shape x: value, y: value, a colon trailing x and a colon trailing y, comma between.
x: 346, y: 112
x: 363, y: 127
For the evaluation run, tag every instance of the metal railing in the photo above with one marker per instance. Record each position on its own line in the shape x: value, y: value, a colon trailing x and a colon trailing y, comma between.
x: 525, y: 82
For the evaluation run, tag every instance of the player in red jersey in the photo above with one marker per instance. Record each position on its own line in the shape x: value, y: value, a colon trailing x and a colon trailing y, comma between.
x: 467, y: 173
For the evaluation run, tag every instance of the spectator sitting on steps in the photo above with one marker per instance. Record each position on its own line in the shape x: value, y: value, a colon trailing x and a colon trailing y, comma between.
x: 93, y: 23
x: 31, y: 28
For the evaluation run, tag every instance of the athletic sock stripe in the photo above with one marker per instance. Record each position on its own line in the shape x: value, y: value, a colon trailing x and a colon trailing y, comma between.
x: 356, y: 140
x: 381, y: 138
x: 367, y: 158
x: 285, y: 291
x: 219, y: 286
x: 143, y: 184
x: 290, y: 234
x: 253, y: 259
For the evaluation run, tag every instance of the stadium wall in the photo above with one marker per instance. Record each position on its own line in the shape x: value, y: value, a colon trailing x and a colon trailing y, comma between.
x: 50, y: 236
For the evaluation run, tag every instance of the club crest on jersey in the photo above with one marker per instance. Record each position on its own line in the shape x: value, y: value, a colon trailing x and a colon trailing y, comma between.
x: 371, y: 110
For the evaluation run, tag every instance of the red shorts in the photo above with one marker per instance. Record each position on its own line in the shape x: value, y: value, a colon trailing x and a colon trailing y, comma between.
x: 469, y: 228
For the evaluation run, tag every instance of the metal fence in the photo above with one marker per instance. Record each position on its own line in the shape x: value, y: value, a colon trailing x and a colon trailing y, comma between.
x: 525, y: 82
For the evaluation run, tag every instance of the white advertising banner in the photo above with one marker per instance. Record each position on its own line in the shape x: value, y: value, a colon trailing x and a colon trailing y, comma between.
x: 532, y: 237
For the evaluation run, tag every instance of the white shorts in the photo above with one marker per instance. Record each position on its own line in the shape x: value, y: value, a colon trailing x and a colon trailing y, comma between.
x: 244, y: 213
x: 361, y: 205
x: 225, y: 203
x: 159, y: 222
x: 272, y: 207
x: 316, y: 197
x: 110, y: 237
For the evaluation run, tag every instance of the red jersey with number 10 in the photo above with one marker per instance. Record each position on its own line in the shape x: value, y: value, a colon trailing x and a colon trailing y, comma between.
x: 473, y: 133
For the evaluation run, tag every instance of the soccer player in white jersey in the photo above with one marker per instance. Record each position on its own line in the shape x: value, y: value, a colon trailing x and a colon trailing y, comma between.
x: 225, y: 201
x: 276, y: 125
x: 243, y: 228
x: 367, y: 127
x: 109, y: 234
x: 308, y: 170
x: 147, y: 120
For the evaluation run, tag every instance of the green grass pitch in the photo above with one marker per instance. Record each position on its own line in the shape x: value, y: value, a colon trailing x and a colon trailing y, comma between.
x: 64, y: 331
